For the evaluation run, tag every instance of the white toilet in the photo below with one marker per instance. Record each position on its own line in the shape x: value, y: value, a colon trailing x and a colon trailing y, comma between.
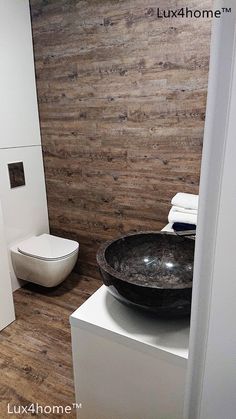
x: 45, y: 260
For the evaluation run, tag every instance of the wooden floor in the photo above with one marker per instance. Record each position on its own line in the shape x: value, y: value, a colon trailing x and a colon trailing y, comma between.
x: 35, y: 350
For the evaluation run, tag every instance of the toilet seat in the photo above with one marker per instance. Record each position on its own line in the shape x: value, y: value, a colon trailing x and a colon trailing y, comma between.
x: 48, y: 247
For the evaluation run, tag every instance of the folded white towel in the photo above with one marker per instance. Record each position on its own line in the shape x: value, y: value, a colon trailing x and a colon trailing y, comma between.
x: 182, y: 217
x: 185, y: 200
x: 185, y: 210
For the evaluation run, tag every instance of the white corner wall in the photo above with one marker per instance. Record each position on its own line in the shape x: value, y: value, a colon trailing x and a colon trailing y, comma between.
x: 211, y: 374
x: 7, y: 313
x: 24, y: 208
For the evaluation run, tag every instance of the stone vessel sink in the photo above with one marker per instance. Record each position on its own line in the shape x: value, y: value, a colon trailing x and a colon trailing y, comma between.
x: 150, y: 270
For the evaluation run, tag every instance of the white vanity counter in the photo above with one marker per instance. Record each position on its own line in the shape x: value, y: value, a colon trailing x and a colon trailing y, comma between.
x: 127, y: 364
x: 104, y: 315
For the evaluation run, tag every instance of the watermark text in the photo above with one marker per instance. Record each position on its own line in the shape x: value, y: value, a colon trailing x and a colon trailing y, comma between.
x: 37, y: 409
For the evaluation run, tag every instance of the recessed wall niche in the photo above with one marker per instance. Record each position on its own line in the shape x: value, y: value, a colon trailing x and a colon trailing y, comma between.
x: 16, y: 174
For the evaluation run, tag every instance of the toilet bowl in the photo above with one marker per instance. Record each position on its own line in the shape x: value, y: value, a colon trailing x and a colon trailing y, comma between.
x: 45, y: 260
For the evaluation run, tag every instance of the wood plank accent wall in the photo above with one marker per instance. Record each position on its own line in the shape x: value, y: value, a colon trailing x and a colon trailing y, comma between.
x: 122, y: 99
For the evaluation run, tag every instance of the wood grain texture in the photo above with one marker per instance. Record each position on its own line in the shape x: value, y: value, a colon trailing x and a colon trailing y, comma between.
x: 35, y: 350
x: 122, y: 99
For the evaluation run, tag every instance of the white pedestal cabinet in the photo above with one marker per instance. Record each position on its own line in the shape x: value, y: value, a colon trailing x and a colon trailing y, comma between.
x: 127, y: 365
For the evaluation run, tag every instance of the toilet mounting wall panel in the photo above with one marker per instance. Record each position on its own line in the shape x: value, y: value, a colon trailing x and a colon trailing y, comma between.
x: 25, y: 207
x: 23, y: 197
x: 18, y: 102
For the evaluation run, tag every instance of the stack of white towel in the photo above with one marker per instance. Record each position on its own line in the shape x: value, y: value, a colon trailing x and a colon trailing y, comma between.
x: 184, y: 209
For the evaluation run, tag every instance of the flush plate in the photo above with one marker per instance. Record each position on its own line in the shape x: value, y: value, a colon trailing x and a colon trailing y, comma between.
x: 16, y: 174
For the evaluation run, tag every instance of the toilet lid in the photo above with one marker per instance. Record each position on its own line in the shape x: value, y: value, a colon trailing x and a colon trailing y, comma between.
x: 48, y: 247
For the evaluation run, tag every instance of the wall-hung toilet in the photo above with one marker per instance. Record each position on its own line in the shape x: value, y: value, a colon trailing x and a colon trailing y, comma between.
x: 45, y: 260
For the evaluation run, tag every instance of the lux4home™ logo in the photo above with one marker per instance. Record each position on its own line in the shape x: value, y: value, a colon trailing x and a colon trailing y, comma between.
x: 185, y: 12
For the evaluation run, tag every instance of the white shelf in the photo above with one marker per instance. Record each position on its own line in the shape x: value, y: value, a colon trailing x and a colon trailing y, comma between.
x: 168, y: 227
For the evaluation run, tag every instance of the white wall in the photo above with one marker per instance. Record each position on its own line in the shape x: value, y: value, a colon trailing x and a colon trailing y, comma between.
x: 24, y: 208
x: 211, y: 379
x: 7, y: 314
x: 18, y: 102
x: 219, y: 380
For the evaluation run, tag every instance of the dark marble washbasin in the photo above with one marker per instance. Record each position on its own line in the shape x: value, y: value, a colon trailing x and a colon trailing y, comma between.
x: 150, y: 270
